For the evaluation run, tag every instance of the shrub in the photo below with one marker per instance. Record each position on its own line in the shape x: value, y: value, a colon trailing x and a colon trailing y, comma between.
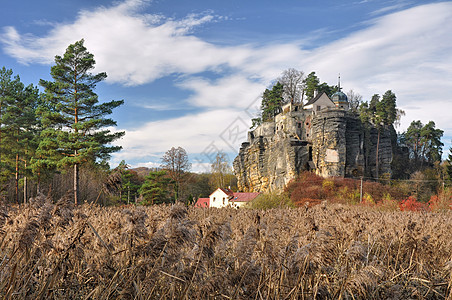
x: 411, y: 204
x: 442, y: 201
x: 271, y: 200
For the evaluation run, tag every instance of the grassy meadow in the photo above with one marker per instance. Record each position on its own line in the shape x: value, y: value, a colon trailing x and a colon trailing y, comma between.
x: 61, y: 251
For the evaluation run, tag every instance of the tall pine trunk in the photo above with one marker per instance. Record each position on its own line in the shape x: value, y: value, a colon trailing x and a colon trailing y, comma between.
x: 17, y: 179
x: 76, y: 185
x: 377, y: 159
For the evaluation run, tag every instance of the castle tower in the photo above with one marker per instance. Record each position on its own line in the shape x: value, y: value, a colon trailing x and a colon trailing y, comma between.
x: 339, y: 98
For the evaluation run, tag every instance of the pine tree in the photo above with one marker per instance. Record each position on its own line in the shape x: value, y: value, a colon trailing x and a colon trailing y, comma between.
x: 155, y: 189
x: 21, y: 128
x: 74, y: 120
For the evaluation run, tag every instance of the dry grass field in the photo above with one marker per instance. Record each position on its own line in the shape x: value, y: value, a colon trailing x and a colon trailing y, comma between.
x: 58, y: 251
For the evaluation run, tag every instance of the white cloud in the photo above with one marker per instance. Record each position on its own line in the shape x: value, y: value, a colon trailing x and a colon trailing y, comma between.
x: 199, y: 133
x: 233, y: 91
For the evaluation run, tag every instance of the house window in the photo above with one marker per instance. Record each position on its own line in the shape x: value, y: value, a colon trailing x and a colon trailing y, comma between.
x: 213, y: 199
x: 318, y: 108
x: 223, y: 200
x: 299, y: 125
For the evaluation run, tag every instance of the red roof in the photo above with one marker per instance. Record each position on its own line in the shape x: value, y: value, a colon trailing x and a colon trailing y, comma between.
x: 203, y: 202
x: 227, y: 192
x: 244, y: 197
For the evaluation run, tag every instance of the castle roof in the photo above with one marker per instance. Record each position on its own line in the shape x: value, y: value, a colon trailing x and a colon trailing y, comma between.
x: 339, y: 96
x: 314, y: 99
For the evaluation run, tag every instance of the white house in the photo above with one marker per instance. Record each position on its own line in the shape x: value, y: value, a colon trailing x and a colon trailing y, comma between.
x: 319, y: 102
x: 220, y: 197
x: 225, y: 197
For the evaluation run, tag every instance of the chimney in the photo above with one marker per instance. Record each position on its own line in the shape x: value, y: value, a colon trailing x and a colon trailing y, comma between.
x: 315, y: 93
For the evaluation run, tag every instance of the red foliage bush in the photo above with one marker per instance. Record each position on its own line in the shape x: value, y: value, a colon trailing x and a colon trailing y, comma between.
x: 411, y: 204
x: 341, y: 190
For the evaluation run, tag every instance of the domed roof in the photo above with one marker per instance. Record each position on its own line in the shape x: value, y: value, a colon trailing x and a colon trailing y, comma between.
x: 339, y: 97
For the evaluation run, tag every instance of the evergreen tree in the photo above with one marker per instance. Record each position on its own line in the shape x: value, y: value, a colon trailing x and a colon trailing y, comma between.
x: 382, y: 114
x: 21, y: 127
x: 449, y: 164
x: 312, y: 83
x: 8, y: 94
x: 155, y: 189
x: 74, y: 120
x: 431, y: 143
x: 272, y: 101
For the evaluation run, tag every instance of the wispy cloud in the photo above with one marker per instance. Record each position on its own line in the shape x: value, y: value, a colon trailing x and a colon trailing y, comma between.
x: 390, y: 8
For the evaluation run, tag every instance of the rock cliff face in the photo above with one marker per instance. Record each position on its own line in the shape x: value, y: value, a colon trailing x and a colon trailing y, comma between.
x: 331, y: 142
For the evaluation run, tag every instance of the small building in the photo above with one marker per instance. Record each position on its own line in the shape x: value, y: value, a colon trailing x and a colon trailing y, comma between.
x: 319, y: 102
x: 222, y: 197
x: 203, y: 202
x: 240, y: 199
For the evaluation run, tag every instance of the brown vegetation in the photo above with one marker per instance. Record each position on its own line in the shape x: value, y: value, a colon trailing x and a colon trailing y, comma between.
x: 55, y: 251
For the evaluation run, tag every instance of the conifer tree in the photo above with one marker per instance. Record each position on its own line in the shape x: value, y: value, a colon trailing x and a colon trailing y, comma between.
x: 155, y: 189
x: 21, y: 128
x: 73, y: 119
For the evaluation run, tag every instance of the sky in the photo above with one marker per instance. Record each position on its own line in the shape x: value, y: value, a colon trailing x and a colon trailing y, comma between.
x: 191, y: 73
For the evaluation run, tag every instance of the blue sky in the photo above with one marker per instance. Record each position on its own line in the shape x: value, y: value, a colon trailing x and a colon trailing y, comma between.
x: 191, y: 72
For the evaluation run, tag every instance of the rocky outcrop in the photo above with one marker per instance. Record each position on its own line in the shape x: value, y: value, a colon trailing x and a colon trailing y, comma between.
x: 331, y: 142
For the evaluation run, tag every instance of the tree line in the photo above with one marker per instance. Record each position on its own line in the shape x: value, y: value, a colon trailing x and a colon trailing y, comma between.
x: 172, y: 181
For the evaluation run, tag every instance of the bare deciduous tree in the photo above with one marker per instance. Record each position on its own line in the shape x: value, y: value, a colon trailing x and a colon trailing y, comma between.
x: 354, y: 99
x: 292, y: 80
x: 176, y: 162
x: 220, y: 169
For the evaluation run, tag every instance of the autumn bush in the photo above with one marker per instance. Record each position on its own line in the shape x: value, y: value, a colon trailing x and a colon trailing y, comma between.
x: 60, y: 251
x: 312, y: 188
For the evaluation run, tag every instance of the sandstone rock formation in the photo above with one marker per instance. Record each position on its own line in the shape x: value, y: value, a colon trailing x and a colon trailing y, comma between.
x: 331, y: 142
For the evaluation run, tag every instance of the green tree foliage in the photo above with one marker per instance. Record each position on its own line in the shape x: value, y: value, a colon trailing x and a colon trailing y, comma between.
x: 156, y: 188
x: 449, y: 164
x: 312, y: 83
x: 176, y: 162
x: 21, y: 127
x: 272, y: 101
x: 424, y: 143
x: 383, y: 114
x: 18, y: 127
x: 74, y: 120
